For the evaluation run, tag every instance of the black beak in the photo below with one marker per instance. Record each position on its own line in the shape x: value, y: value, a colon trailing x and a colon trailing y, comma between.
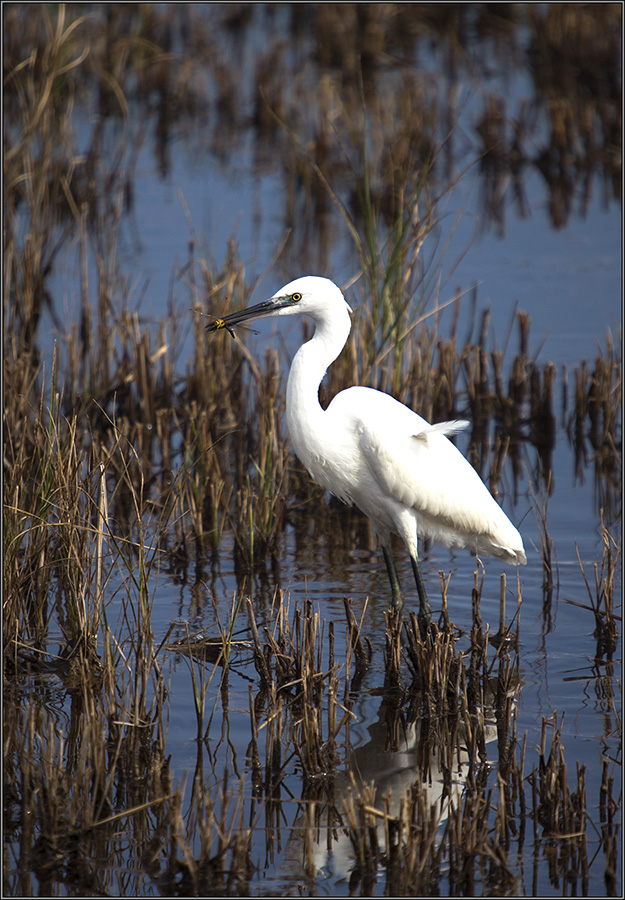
x: 266, y: 308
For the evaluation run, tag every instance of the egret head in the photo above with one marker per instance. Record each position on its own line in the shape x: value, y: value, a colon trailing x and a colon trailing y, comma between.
x: 310, y: 295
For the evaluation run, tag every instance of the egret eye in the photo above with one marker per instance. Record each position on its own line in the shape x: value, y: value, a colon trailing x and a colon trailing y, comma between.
x: 296, y: 298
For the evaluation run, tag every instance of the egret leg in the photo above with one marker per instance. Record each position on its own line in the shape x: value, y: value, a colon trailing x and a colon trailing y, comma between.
x: 393, y: 577
x: 425, y: 610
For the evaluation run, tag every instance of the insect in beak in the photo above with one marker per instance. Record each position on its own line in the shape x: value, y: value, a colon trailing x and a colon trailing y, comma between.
x: 220, y: 324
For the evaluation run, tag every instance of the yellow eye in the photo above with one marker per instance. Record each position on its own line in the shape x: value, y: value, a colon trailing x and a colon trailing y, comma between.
x: 296, y: 298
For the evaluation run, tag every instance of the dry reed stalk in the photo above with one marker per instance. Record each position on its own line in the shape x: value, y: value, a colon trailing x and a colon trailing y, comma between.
x: 602, y: 597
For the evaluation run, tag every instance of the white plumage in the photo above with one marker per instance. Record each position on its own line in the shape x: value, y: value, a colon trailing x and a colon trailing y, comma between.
x: 372, y: 451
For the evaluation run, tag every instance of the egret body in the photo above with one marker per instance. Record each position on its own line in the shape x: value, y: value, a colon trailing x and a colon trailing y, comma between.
x: 372, y: 451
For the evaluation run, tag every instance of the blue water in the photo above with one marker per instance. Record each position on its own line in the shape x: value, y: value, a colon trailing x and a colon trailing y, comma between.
x: 569, y: 283
x: 568, y: 280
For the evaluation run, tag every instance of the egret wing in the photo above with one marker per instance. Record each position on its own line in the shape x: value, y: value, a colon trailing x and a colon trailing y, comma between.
x: 416, y: 465
x: 406, y: 464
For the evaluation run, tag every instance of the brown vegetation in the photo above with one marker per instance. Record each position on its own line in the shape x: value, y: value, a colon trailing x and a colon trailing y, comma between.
x: 119, y: 467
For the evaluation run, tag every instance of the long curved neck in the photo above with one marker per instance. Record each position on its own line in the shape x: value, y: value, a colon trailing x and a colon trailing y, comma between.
x: 303, y: 410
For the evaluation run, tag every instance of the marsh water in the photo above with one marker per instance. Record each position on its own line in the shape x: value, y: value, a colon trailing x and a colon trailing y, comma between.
x: 227, y: 186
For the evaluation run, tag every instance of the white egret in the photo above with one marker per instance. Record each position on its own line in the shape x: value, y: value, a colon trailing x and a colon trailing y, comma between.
x: 372, y: 451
